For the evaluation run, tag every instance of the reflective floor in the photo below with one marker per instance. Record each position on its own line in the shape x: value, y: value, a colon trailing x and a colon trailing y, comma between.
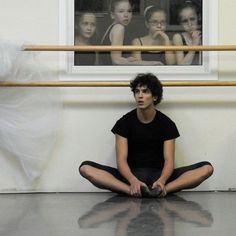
x: 103, y: 214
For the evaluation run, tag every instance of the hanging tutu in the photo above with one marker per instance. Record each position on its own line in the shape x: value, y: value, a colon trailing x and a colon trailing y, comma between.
x: 29, y: 117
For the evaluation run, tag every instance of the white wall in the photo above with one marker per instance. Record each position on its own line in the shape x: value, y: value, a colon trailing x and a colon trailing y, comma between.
x: 205, y: 116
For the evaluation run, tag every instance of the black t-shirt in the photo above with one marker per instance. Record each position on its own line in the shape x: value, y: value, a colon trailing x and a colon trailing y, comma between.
x: 146, y: 141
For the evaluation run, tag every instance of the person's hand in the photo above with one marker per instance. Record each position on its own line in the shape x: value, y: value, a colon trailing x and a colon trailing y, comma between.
x: 196, y: 37
x: 162, y: 186
x: 162, y: 35
x: 135, y: 186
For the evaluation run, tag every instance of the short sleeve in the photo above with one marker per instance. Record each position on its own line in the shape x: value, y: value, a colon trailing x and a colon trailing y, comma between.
x: 170, y: 130
x: 121, y: 127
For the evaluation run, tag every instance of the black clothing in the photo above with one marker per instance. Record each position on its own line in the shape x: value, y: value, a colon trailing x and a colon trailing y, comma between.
x: 146, y: 175
x: 152, y: 56
x: 145, y: 149
x: 145, y: 141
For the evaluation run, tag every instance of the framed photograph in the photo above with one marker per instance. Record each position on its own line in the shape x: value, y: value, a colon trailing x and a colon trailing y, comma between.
x: 139, y: 22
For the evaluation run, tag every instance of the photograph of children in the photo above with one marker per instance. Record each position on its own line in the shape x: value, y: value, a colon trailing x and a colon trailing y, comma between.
x: 138, y: 22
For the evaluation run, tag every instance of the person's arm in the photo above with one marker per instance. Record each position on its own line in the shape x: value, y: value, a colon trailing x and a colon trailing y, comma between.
x: 123, y: 167
x: 117, y: 38
x: 169, y: 153
x: 169, y: 55
x: 181, y: 58
x: 136, y: 54
x: 117, y: 35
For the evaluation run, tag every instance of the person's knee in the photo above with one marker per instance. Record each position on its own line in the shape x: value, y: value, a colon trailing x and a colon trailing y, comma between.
x: 207, y: 170
x: 85, y: 169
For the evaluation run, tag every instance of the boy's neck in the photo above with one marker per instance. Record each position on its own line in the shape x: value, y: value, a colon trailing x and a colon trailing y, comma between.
x: 146, y: 115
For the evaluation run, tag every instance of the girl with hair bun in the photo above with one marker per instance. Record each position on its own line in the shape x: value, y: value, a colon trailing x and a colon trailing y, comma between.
x: 155, y: 21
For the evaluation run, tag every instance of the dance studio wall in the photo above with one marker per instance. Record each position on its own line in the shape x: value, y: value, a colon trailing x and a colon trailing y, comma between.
x: 205, y: 116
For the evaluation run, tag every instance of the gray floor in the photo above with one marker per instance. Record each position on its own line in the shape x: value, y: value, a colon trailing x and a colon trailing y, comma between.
x: 103, y: 214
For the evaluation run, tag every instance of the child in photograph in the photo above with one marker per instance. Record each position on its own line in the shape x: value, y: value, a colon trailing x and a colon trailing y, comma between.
x: 121, y: 13
x: 85, y: 34
x: 155, y: 21
x: 188, y: 18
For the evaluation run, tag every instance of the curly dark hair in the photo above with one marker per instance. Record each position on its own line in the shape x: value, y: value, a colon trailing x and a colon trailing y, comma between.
x: 152, y: 83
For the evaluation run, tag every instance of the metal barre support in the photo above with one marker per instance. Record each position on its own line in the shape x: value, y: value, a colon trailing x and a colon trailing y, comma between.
x: 116, y: 83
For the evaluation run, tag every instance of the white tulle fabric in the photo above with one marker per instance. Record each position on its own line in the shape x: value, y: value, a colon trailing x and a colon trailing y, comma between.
x: 29, y: 117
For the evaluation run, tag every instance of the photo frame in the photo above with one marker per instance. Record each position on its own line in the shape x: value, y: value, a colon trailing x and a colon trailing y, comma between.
x: 70, y: 10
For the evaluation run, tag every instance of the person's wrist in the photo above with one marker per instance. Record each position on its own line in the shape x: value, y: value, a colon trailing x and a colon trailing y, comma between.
x: 162, y: 181
x: 132, y: 179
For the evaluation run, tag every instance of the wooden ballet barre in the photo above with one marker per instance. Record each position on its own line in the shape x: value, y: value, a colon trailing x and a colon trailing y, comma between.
x: 116, y: 83
x: 100, y: 48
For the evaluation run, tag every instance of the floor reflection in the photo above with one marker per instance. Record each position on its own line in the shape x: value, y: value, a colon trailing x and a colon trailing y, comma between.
x: 145, y: 216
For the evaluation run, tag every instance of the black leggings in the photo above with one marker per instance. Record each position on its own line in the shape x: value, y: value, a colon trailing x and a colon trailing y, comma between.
x: 146, y: 175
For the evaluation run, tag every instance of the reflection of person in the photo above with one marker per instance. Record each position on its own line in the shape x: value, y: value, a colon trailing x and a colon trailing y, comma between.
x: 121, y: 13
x: 188, y: 19
x: 145, y: 144
x: 85, y: 35
x: 155, y: 218
x: 155, y: 21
